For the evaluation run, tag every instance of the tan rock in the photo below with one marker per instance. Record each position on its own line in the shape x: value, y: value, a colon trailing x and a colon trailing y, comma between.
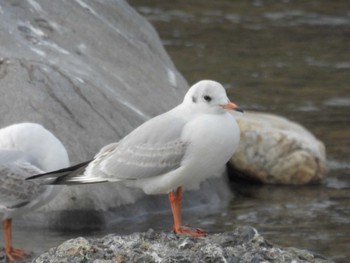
x: 276, y: 150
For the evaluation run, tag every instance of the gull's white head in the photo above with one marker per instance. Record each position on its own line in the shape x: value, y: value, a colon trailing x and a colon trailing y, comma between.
x: 210, y: 97
x: 47, y: 151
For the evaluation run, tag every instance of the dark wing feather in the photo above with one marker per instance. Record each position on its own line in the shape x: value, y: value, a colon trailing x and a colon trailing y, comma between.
x: 62, y: 175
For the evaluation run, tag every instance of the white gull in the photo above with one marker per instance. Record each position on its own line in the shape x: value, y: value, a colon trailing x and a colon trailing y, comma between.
x: 178, y: 149
x: 26, y: 149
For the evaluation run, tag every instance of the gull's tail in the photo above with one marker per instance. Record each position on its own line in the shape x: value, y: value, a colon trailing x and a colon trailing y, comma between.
x: 65, y: 176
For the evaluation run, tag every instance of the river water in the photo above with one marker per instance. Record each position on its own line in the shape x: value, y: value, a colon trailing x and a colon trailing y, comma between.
x: 290, y: 58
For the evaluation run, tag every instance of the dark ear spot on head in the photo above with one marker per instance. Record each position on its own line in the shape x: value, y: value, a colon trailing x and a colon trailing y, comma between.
x: 194, y: 99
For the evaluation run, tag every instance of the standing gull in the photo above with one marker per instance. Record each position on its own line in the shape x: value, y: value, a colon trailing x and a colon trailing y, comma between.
x: 25, y: 149
x: 180, y: 148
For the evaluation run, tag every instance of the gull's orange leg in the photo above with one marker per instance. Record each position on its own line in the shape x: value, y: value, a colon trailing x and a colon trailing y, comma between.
x: 175, y: 204
x: 11, y: 253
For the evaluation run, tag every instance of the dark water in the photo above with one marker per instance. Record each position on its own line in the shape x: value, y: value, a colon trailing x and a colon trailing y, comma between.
x: 291, y: 58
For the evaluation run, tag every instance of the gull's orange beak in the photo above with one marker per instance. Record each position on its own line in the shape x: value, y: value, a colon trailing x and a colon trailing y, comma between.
x: 232, y: 106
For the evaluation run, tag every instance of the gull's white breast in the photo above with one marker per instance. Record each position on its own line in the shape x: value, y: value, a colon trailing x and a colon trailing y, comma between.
x: 212, y: 138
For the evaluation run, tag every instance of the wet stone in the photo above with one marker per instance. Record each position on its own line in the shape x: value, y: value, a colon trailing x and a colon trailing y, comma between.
x: 276, y: 150
x: 152, y: 246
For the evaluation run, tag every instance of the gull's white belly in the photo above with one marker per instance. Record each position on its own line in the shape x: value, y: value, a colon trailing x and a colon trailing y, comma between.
x: 213, y: 140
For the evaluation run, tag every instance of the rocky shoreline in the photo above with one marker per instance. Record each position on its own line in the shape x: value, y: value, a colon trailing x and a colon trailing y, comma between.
x: 244, y: 244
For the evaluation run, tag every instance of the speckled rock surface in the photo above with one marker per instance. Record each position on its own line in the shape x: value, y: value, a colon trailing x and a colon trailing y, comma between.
x: 278, y: 151
x: 242, y: 245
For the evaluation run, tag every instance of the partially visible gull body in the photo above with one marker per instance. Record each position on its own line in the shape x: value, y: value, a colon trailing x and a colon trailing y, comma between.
x: 180, y: 148
x: 26, y: 149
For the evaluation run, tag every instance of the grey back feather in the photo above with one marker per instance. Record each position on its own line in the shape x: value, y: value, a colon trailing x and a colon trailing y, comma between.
x: 152, y: 149
x: 15, y: 191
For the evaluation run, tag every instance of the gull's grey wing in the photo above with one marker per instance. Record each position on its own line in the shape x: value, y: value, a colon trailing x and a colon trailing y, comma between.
x: 152, y: 149
x: 15, y: 191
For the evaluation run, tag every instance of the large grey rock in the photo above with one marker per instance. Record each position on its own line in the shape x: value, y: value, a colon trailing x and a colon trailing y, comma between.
x: 278, y: 151
x: 89, y: 71
x: 242, y: 245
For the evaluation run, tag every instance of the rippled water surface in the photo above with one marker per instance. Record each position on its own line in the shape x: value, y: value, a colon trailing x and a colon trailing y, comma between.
x: 291, y: 58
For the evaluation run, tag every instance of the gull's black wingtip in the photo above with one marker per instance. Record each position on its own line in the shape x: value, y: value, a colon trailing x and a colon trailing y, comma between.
x: 239, y: 109
x: 59, y: 173
x: 34, y: 176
